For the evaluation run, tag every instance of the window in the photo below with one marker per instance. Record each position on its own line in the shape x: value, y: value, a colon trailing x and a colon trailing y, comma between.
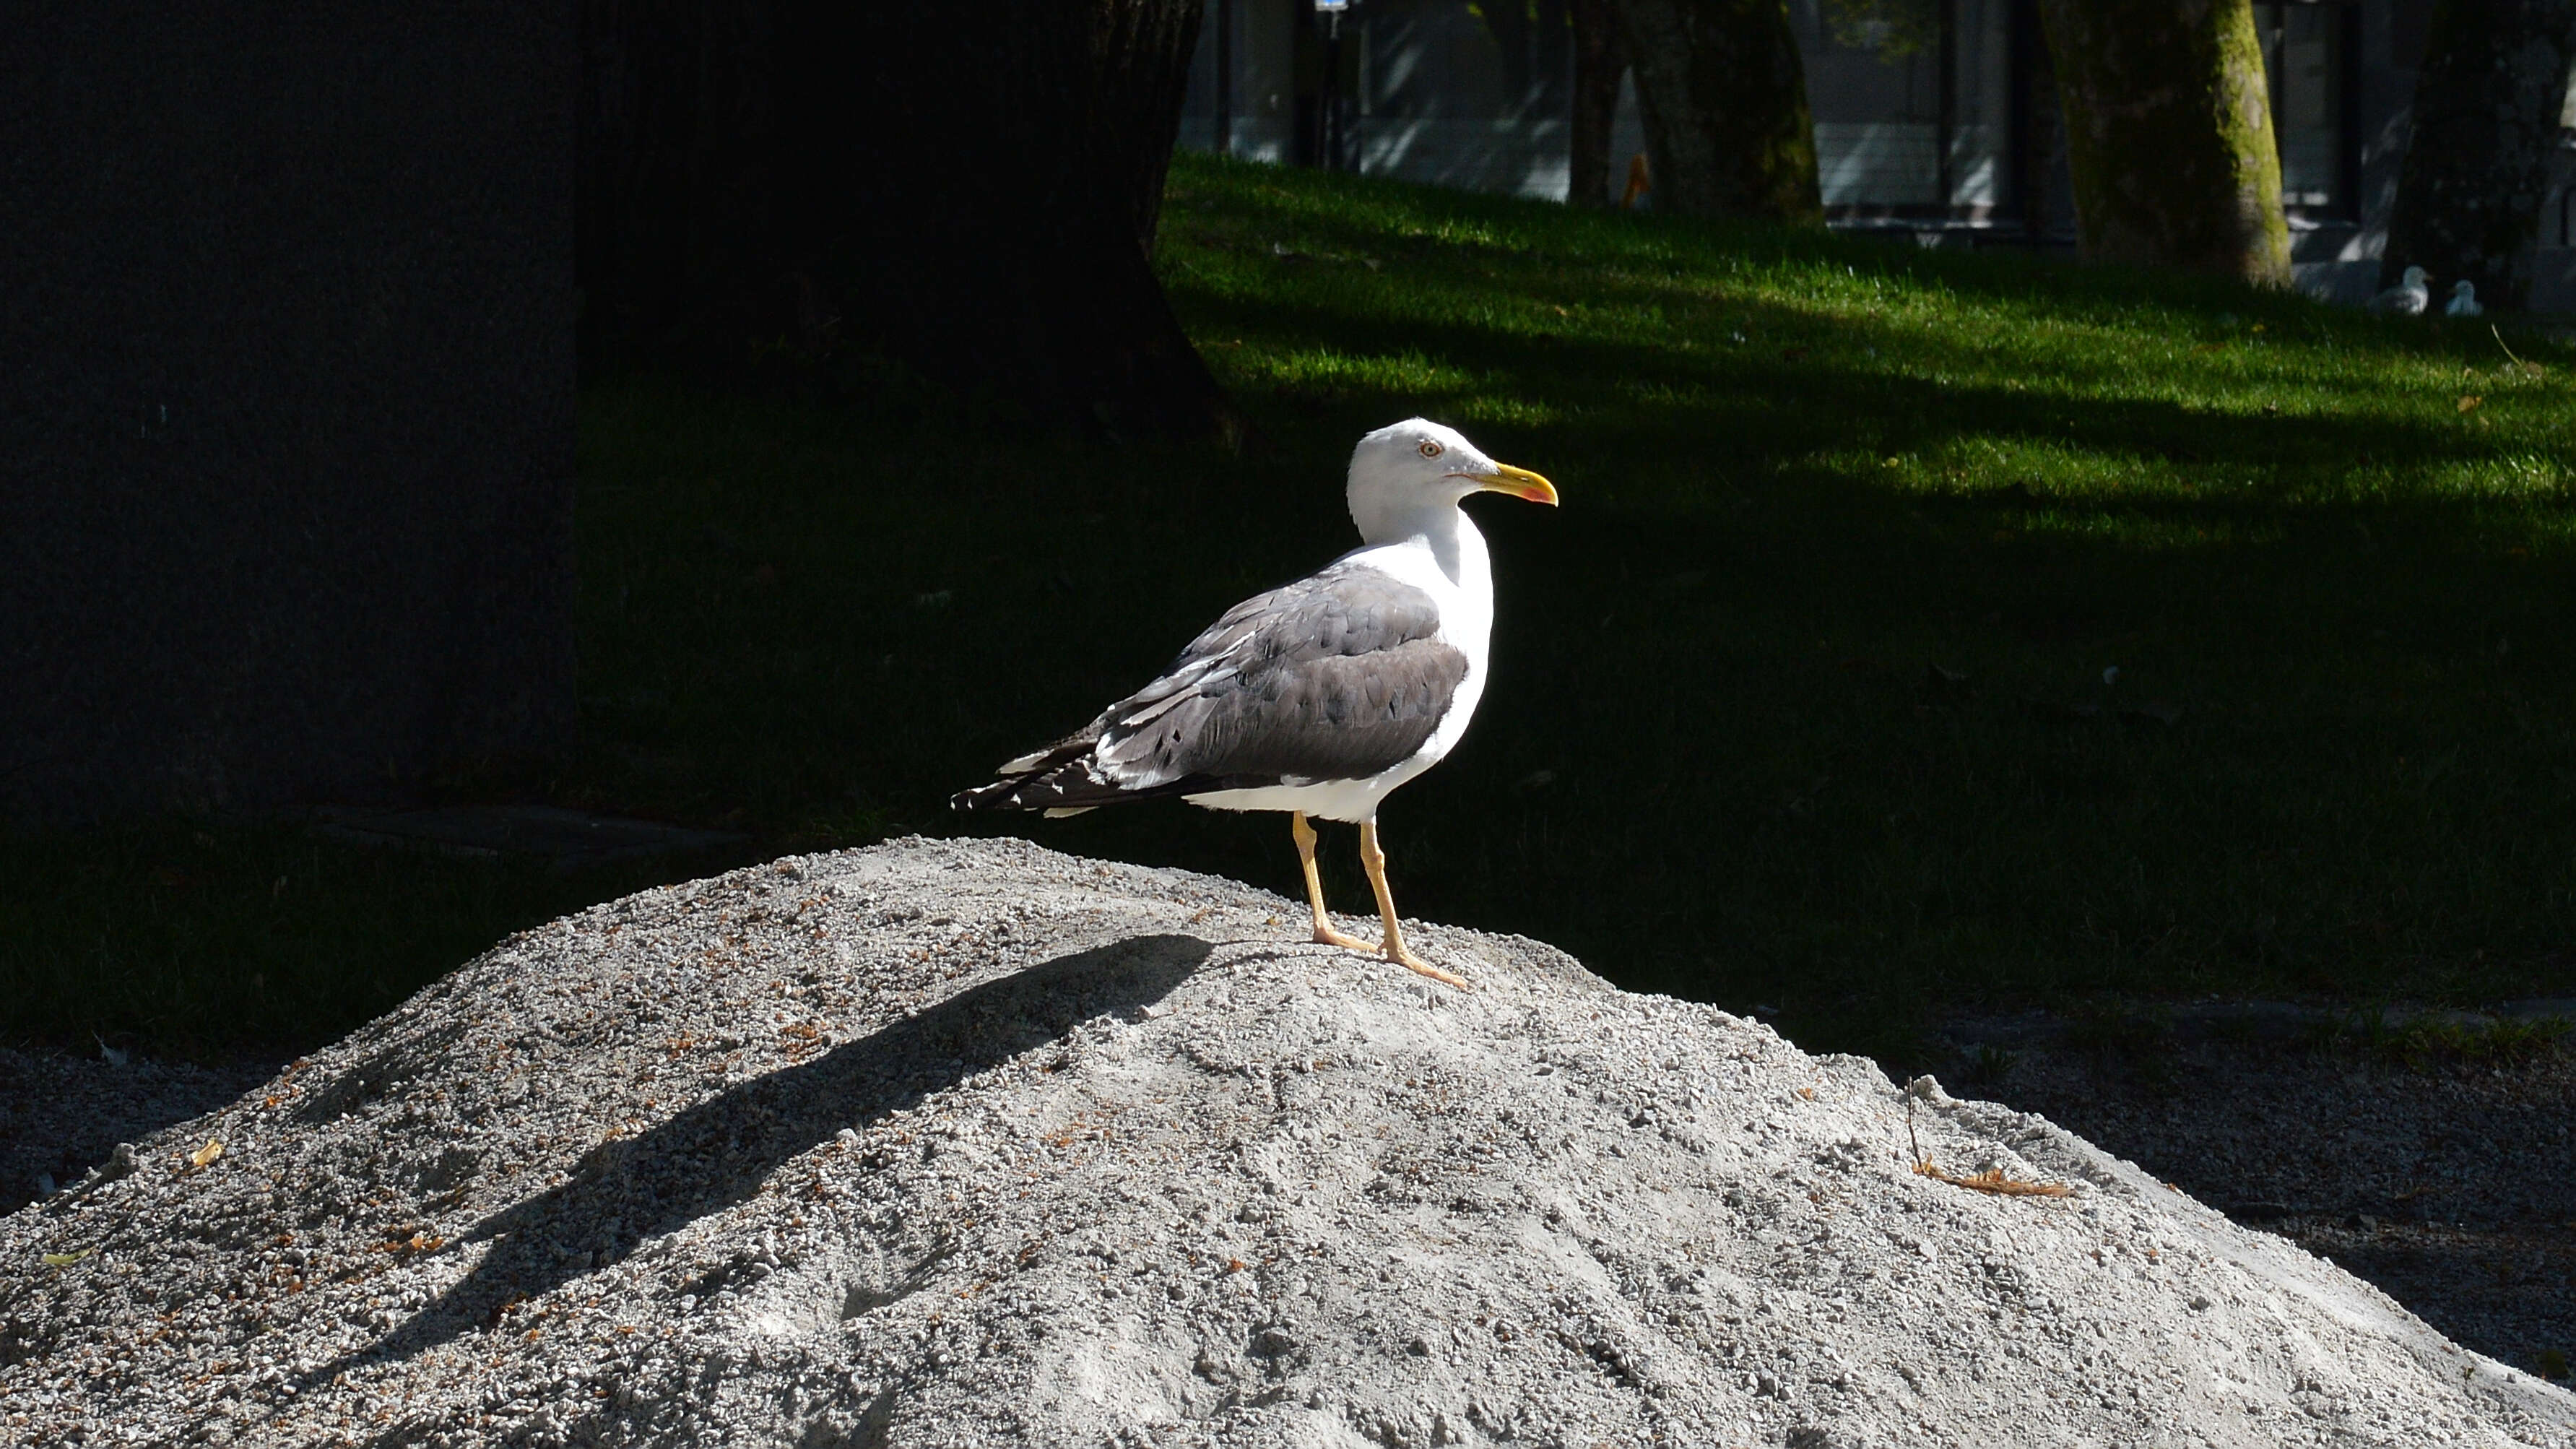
x: 2305, y: 51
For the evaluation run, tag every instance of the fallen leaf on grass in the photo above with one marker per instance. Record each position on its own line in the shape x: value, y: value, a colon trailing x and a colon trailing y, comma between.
x: 2469, y: 402
x: 205, y: 1156
x: 1993, y: 1180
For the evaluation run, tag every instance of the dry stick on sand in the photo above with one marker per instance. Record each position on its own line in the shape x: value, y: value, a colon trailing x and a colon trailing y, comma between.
x: 1991, y: 1180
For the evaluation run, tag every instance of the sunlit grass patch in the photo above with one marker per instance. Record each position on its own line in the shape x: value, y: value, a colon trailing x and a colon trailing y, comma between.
x: 1321, y: 367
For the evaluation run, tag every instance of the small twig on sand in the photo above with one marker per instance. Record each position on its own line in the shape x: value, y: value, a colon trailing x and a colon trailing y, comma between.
x: 1993, y: 1180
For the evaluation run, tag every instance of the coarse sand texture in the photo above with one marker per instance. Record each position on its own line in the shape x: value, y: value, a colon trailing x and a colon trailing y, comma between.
x: 970, y: 1143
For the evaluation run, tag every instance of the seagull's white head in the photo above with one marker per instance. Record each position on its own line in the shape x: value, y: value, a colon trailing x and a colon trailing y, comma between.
x: 2464, y: 288
x: 2416, y: 276
x: 1403, y: 473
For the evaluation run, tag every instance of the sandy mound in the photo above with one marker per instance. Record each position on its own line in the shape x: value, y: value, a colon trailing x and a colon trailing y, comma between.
x: 974, y: 1143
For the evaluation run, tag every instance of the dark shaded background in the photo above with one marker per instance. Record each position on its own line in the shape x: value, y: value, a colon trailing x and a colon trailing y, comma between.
x: 286, y: 424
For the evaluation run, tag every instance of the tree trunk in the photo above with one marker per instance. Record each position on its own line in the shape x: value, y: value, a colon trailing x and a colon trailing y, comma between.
x: 1599, y: 61
x: 1552, y: 53
x: 973, y: 188
x: 2039, y: 144
x: 672, y: 245
x: 2169, y: 133
x: 286, y: 425
x: 2487, y: 105
x: 1509, y: 25
x: 1724, y: 99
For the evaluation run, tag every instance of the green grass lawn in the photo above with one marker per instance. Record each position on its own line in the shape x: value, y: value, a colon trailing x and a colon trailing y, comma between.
x: 1804, y: 698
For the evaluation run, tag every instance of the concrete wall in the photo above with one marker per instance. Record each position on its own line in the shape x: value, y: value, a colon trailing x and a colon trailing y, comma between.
x: 286, y: 386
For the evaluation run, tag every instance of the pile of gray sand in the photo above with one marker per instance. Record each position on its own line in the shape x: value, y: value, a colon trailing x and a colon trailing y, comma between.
x: 968, y: 1142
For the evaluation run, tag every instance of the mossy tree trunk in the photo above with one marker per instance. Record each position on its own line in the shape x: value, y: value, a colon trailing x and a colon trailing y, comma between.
x: 1724, y: 98
x: 2169, y: 134
x: 971, y: 188
x: 1599, y: 61
x: 2487, y: 107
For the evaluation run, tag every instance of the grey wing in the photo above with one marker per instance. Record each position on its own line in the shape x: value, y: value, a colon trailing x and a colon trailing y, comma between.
x: 1338, y: 676
x: 1334, y: 677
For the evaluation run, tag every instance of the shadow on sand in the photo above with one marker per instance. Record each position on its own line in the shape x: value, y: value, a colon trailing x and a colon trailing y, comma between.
x: 717, y: 1153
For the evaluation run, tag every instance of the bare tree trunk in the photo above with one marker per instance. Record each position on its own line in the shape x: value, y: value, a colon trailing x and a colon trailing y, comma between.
x: 2040, y: 134
x: 1724, y: 97
x: 2169, y: 132
x: 2487, y: 105
x: 1599, y: 61
x: 974, y: 188
x: 1509, y: 25
x: 1552, y: 51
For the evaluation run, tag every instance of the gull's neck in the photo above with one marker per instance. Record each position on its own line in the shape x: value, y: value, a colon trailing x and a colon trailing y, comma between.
x: 1439, y: 524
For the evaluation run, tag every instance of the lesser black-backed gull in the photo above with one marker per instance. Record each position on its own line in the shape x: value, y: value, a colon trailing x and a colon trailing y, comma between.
x: 1320, y: 697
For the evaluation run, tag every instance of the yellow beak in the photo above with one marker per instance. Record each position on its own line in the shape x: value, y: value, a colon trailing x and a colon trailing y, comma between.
x: 1518, y: 482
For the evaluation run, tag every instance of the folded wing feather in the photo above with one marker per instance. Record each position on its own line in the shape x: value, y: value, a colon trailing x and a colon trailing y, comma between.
x: 1338, y: 676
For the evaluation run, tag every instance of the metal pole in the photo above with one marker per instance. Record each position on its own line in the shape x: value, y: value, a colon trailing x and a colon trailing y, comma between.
x: 1333, y: 91
x: 2029, y: 122
x: 1224, y: 77
x: 1949, y: 128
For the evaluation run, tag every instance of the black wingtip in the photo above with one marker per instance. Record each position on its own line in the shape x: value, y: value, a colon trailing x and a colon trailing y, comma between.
x: 1000, y: 795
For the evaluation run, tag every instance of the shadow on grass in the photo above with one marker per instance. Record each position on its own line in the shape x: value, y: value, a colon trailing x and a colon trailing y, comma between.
x: 1709, y: 761
x: 1758, y: 409
x: 718, y: 1153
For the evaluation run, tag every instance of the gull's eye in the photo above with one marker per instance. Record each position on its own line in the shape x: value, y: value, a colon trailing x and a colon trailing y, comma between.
x: 1431, y: 450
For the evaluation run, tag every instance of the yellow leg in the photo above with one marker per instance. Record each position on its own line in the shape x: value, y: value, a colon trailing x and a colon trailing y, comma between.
x: 1325, y: 935
x: 1374, y: 860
